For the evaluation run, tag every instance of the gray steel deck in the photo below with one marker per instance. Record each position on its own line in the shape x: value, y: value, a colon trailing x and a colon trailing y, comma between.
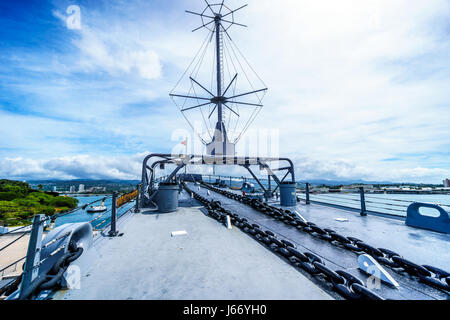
x: 211, y: 262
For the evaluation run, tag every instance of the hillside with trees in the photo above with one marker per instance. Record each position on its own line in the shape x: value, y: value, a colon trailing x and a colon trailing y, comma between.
x: 19, y: 203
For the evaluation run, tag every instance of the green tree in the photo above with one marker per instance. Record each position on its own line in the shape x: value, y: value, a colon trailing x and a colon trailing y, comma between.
x: 19, y: 203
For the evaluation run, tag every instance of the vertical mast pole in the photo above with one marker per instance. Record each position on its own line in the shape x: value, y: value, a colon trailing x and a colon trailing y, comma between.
x: 219, y: 73
x: 185, y: 168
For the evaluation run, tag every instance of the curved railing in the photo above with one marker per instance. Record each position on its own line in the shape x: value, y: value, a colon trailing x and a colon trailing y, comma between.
x: 387, y: 204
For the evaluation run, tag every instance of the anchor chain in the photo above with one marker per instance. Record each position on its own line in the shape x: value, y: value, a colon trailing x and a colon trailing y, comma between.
x: 53, y: 277
x: 426, y: 274
x: 347, y: 285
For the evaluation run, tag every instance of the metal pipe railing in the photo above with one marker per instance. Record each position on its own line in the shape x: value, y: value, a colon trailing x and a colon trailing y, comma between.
x: 361, y: 201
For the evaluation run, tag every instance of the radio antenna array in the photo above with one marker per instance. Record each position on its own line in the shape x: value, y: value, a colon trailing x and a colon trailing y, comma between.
x: 220, y: 100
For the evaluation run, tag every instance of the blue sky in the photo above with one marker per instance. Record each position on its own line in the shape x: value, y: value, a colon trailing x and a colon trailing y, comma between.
x: 358, y: 89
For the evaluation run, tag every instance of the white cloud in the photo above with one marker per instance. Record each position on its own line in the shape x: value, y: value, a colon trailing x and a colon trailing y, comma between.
x: 353, y: 81
x: 129, y: 168
x: 74, y: 167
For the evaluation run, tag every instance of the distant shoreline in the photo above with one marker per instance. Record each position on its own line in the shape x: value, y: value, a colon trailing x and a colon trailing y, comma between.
x: 86, y: 195
x: 382, y: 192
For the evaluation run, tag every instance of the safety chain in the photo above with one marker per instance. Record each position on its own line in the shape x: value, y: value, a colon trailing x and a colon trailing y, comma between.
x: 426, y: 274
x: 347, y: 285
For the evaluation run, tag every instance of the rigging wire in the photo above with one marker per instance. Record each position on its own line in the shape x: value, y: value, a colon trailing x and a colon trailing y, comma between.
x: 14, y: 263
x: 230, y: 52
x: 196, y: 71
x: 187, y: 69
x: 231, y: 59
x: 204, y: 46
x: 201, y: 109
x: 214, y: 86
x: 227, y: 68
x: 246, y: 61
x: 245, y: 73
x: 257, y: 110
x: 210, y: 128
x: 15, y: 230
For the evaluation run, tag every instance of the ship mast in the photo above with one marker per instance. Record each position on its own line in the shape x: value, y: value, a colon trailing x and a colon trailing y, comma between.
x: 213, y: 18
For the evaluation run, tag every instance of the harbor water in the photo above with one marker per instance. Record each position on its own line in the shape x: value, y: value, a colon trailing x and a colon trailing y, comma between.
x: 395, y: 204
x: 98, y: 220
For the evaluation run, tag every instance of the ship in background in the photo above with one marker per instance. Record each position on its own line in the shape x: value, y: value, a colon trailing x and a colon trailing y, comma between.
x: 180, y: 236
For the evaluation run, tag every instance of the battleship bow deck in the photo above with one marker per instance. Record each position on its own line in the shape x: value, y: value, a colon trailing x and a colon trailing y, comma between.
x: 211, y: 262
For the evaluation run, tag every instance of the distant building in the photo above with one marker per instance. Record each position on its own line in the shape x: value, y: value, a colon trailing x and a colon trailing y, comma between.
x: 72, y: 189
x: 81, y: 188
x: 446, y: 183
x: 96, y: 189
x: 54, y: 189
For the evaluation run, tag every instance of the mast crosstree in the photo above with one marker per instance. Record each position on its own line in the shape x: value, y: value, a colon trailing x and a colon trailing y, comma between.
x: 220, y: 99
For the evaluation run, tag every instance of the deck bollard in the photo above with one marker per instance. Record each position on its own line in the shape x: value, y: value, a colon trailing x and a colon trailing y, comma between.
x: 307, y: 194
x: 363, y: 202
x: 113, y: 232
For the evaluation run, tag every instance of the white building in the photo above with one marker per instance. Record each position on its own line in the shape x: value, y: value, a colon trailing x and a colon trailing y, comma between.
x: 446, y: 183
x: 72, y: 189
x: 81, y: 188
x: 54, y: 189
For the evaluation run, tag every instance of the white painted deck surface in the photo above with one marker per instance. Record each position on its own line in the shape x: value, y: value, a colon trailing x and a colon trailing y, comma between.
x: 211, y: 262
